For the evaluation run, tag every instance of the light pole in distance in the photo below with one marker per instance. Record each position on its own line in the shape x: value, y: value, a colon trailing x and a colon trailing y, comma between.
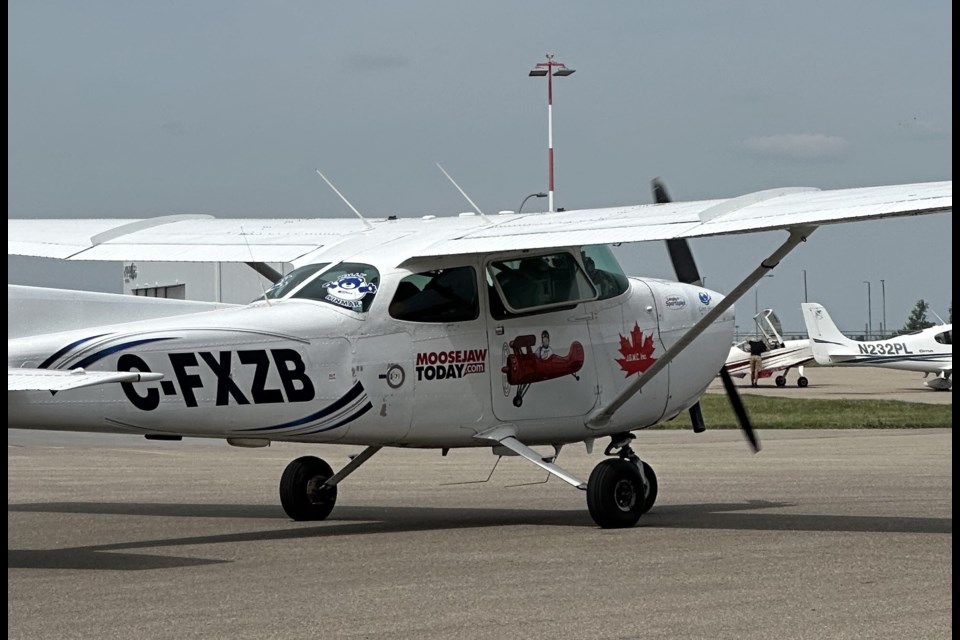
x: 550, y: 68
x: 756, y: 296
x: 869, y: 312
x: 883, y: 318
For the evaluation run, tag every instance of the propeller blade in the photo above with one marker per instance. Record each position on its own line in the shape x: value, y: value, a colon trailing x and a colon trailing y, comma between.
x: 682, y: 259
x: 739, y: 410
x: 660, y: 194
x: 680, y: 255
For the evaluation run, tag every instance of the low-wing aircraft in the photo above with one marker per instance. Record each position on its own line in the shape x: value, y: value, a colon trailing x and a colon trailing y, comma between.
x: 927, y: 350
x: 384, y: 333
x: 781, y: 355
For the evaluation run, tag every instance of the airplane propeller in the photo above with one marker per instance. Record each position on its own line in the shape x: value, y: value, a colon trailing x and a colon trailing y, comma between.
x: 686, y: 269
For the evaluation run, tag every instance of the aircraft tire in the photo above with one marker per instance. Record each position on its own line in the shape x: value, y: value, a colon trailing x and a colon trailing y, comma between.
x: 652, y: 487
x: 781, y: 381
x: 802, y: 381
x: 615, y: 494
x: 299, y: 493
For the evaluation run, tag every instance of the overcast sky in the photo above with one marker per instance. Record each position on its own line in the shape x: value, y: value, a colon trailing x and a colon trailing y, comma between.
x: 134, y: 109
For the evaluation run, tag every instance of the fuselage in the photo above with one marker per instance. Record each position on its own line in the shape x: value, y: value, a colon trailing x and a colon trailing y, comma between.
x: 328, y: 369
x: 926, y: 351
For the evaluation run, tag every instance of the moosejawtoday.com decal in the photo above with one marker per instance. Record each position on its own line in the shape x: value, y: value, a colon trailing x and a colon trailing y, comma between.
x: 445, y: 365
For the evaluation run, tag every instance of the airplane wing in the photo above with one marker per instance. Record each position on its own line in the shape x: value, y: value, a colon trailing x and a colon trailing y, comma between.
x: 793, y: 355
x: 63, y: 379
x: 787, y: 358
x: 186, y: 238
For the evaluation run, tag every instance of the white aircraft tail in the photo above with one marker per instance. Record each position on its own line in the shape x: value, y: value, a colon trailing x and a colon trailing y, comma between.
x: 825, y: 337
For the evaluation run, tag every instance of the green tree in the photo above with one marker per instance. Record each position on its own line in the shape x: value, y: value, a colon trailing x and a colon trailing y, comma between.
x: 918, y: 317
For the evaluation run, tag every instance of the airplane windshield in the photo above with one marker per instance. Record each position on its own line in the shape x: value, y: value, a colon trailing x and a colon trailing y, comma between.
x: 292, y: 280
x: 604, y: 270
x: 350, y: 285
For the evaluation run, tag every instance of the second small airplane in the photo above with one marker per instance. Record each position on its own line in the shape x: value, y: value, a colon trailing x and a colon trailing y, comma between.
x: 928, y: 350
x: 781, y: 355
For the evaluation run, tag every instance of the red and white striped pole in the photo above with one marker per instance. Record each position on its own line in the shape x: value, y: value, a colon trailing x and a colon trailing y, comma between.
x: 550, y: 135
x: 547, y: 69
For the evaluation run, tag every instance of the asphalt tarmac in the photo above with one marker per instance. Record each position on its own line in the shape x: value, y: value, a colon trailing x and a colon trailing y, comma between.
x: 823, y: 534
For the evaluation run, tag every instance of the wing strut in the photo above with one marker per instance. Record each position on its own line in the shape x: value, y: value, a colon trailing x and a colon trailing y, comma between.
x: 797, y: 235
x: 266, y: 271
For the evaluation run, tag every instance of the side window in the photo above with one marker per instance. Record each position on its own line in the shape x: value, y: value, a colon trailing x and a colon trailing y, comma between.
x: 441, y: 295
x: 534, y: 282
x: 944, y: 338
x: 351, y: 285
x: 604, y: 271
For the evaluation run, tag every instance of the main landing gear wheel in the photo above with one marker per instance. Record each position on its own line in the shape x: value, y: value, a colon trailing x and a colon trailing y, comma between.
x: 781, y: 381
x: 802, y: 381
x: 615, y: 494
x: 302, y: 493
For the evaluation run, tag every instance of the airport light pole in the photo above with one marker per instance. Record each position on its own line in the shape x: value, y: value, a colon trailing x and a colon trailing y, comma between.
x: 805, y: 286
x: 869, y: 312
x: 550, y: 68
x: 756, y: 296
x: 883, y: 304
x: 539, y: 194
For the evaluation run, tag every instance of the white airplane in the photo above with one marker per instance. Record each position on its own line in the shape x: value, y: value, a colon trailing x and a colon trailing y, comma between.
x: 411, y: 333
x: 781, y: 355
x: 927, y: 350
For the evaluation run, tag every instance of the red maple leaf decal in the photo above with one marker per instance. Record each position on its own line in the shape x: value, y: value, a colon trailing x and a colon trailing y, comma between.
x: 637, y: 352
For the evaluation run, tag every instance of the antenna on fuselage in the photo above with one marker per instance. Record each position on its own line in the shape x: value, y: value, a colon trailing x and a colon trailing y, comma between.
x: 938, y: 316
x: 464, y: 194
x: 330, y: 184
x: 256, y: 266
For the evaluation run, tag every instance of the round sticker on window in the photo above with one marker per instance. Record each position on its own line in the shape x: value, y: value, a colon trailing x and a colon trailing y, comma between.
x: 349, y: 289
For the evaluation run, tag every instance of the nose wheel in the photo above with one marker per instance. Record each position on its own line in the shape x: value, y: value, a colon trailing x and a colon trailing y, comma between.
x: 622, y: 489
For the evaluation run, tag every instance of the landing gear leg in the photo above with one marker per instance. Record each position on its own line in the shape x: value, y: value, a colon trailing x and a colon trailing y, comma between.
x: 308, y: 487
x: 623, y: 489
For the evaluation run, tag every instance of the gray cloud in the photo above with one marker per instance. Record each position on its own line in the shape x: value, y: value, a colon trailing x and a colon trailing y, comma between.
x: 797, y: 146
x: 373, y: 61
x: 922, y: 129
x: 173, y: 128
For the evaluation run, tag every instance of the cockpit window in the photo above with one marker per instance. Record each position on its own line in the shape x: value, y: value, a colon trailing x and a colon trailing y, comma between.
x: 604, y: 270
x: 350, y: 285
x: 292, y: 280
x: 944, y: 338
x: 440, y: 295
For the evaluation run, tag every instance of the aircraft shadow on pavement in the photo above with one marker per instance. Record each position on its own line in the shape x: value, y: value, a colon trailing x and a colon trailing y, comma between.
x: 348, y: 520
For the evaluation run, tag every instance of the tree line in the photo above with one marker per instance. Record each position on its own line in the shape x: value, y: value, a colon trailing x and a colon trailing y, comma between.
x: 918, y: 317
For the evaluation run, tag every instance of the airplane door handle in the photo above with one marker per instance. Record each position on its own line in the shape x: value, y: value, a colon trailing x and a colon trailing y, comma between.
x: 586, y: 318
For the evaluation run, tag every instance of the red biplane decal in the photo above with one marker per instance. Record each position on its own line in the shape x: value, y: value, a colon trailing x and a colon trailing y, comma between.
x: 527, y: 365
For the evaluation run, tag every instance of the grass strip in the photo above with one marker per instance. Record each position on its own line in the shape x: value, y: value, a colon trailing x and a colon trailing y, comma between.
x: 813, y: 413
